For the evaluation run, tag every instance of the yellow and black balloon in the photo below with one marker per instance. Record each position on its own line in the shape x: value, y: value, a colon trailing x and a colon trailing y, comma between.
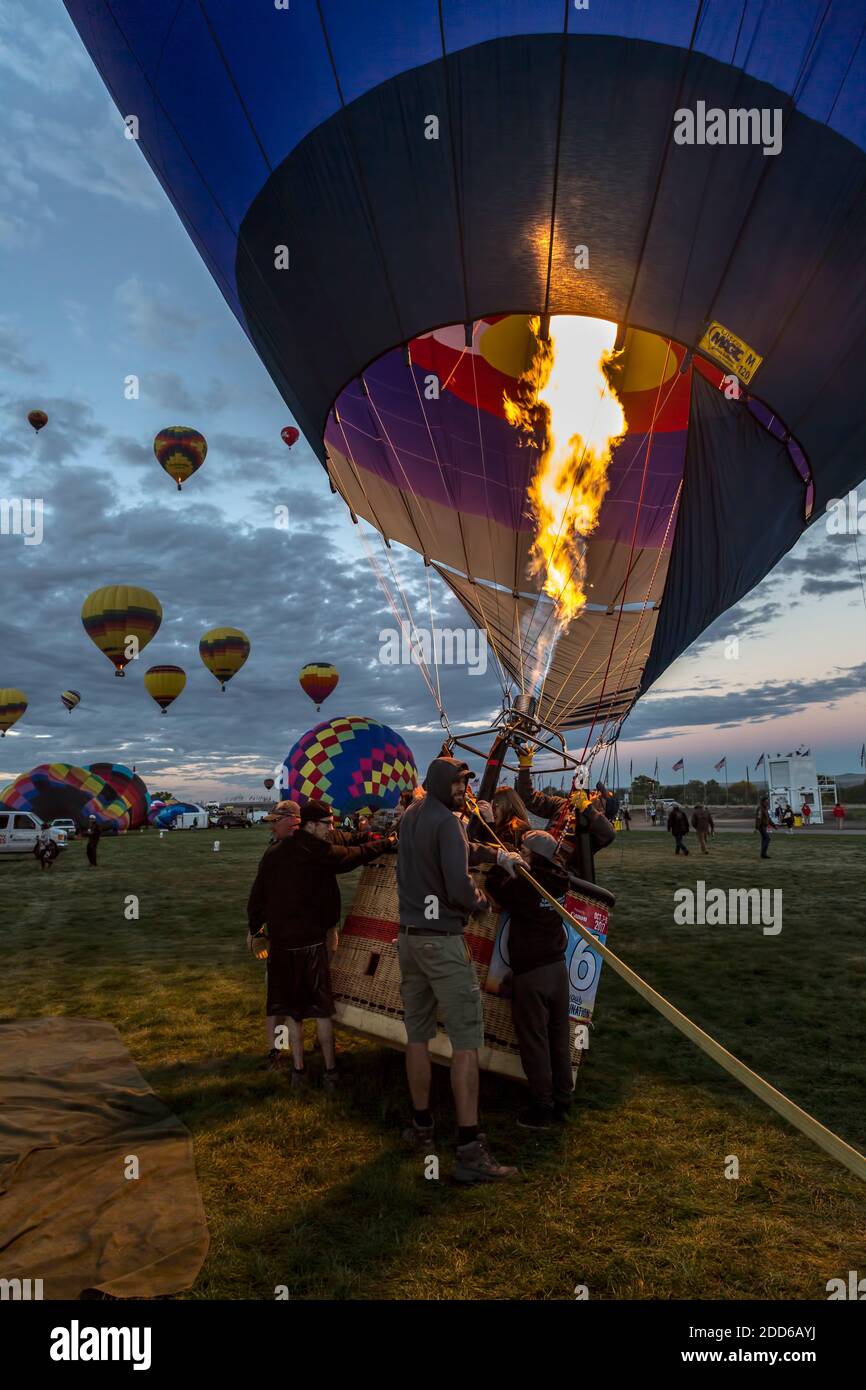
x: 164, y: 683
x: 319, y: 679
x: 120, y: 620
x: 224, y: 651
x: 13, y: 703
x: 70, y: 698
x: 181, y: 451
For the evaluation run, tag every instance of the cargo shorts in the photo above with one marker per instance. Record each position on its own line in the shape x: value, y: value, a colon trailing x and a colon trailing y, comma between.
x: 437, y: 972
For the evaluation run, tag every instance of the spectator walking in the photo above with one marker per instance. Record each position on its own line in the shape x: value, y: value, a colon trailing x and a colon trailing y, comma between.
x: 764, y: 824
x: 678, y: 825
x: 437, y: 897
x: 702, y: 822
x: 839, y: 815
x: 626, y: 817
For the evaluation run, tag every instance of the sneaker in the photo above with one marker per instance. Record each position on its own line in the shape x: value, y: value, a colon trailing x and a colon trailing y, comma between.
x: 331, y: 1080
x: 420, y: 1137
x: 536, y: 1117
x: 276, y: 1060
x: 475, y: 1163
x: 300, y: 1079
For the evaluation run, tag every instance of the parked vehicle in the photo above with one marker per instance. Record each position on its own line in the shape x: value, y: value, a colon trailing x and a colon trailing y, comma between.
x: 19, y: 831
x: 68, y: 825
x: 229, y: 820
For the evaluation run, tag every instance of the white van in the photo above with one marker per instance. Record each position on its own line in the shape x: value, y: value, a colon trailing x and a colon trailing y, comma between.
x: 19, y: 831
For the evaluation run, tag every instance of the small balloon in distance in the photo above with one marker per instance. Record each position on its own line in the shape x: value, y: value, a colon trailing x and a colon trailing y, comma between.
x: 290, y: 435
x: 38, y: 419
x: 70, y: 699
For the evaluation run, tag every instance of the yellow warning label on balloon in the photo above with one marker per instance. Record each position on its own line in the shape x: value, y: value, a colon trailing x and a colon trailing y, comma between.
x: 731, y: 351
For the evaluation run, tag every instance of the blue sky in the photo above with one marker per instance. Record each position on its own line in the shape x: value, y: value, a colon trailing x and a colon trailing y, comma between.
x: 100, y: 282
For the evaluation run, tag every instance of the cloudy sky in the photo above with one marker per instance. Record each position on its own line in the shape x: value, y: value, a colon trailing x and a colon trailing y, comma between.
x: 101, y: 282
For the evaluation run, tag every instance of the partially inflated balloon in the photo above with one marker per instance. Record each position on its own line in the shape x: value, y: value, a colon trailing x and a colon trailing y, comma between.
x: 180, y: 451
x: 38, y: 419
x: 318, y: 679
x: 290, y: 435
x: 164, y: 684
x: 70, y: 699
x: 13, y: 703
x: 121, y: 620
x: 224, y: 651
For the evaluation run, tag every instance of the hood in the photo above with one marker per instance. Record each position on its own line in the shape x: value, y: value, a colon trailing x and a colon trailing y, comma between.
x: 441, y: 776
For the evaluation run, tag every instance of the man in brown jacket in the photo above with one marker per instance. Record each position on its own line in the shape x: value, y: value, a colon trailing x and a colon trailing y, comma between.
x: 591, y: 829
x: 702, y: 822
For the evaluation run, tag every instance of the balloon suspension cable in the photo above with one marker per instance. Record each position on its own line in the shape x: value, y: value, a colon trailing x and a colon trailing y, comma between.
x: 831, y: 1143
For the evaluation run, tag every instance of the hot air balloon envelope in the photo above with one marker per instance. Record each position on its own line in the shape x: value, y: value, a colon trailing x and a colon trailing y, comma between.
x: 350, y: 763
x: 319, y: 679
x: 38, y: 419
x: 290, y: 435
x: 71, y: 698
x: 13, y: 703
x: 181, y: 451
x: 164, y: 684
x: 120, y: 620
x: 224, y: 651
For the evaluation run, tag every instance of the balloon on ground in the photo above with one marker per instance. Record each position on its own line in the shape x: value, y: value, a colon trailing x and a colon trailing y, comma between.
x: 121, y: 619
x: 54, y: 791
x: 224, y: 651
x: 352, y: 763
x: 13, y: 703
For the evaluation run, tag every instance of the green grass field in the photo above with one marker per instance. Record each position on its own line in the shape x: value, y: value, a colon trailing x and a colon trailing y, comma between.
x: 630, y: 1199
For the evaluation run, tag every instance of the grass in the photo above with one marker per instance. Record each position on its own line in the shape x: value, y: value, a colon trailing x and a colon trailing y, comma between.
x: 630, y: 1199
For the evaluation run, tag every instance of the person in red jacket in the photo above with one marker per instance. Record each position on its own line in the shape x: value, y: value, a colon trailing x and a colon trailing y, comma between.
x: 297, y: 895
x: 806, y: 813
x: 839, y: 815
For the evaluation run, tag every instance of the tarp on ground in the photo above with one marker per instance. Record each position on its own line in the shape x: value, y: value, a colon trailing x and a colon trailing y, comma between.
x: 74, y: 1109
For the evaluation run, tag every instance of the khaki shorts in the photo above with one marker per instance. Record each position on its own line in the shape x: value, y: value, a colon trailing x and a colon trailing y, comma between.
x: 437, y: 972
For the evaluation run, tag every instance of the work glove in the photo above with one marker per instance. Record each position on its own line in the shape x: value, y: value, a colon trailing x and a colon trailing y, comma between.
x: 508, y: 859
x: 525, y: 755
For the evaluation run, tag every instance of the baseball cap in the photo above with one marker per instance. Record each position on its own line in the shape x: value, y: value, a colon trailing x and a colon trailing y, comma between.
x: 539, y: 842
x: 316, y: 810
x: 283, y: 809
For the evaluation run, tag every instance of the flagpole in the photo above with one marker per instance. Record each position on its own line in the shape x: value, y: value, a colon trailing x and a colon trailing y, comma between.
x: 684, y: 779
x: 727, y: 797
x: 748, y: 788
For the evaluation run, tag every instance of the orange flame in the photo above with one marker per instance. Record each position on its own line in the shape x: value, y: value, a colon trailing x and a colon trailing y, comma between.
x: 566, y: 399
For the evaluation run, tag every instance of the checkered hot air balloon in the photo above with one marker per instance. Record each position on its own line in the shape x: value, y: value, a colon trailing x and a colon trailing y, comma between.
x: 181, y: 451
x: 352, y: 763
x: 319, y: 679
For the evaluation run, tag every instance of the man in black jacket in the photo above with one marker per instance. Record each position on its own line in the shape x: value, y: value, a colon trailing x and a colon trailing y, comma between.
x: 678, y: 825
x: 296, y: 893
x: 587, y: 830
x: 540, y: 995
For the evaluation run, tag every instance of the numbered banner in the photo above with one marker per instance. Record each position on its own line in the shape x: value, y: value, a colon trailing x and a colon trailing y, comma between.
x: 584, y: 964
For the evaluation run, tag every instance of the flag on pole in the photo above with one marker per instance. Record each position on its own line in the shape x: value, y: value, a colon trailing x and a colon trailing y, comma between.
x: 630, y: 769
x: 863, y: 756
x: 677, y: 767
x: 760, y: 762
x: 719, y: 766
x: 656, y: 773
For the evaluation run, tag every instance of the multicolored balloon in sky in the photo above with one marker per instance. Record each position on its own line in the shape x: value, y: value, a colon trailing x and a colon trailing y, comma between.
x: 351, y: 763
x: 164, y: 683
x: 120, y: 620
x: 13, y: 703
x: 181, y: 451
x: 224, y: 651
x: 319, y: 679
x: 71, y: 698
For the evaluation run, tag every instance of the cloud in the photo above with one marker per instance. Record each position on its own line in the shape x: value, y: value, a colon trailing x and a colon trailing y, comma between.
x: 38, y: 49
x: 154, y: 317
x: 88, y: 155
x: 13, y: 350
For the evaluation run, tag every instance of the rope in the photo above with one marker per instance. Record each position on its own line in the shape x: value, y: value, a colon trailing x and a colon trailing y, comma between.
x: 831, y: 1143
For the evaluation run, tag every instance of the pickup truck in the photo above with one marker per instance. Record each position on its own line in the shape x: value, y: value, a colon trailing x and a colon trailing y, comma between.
x: 19, y: 831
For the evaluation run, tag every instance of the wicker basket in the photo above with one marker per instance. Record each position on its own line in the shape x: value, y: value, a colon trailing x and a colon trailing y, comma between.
x: 366, y: 972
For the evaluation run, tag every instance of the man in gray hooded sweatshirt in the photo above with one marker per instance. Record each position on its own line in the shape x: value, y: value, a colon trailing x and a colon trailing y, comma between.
x: 437, y: 896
